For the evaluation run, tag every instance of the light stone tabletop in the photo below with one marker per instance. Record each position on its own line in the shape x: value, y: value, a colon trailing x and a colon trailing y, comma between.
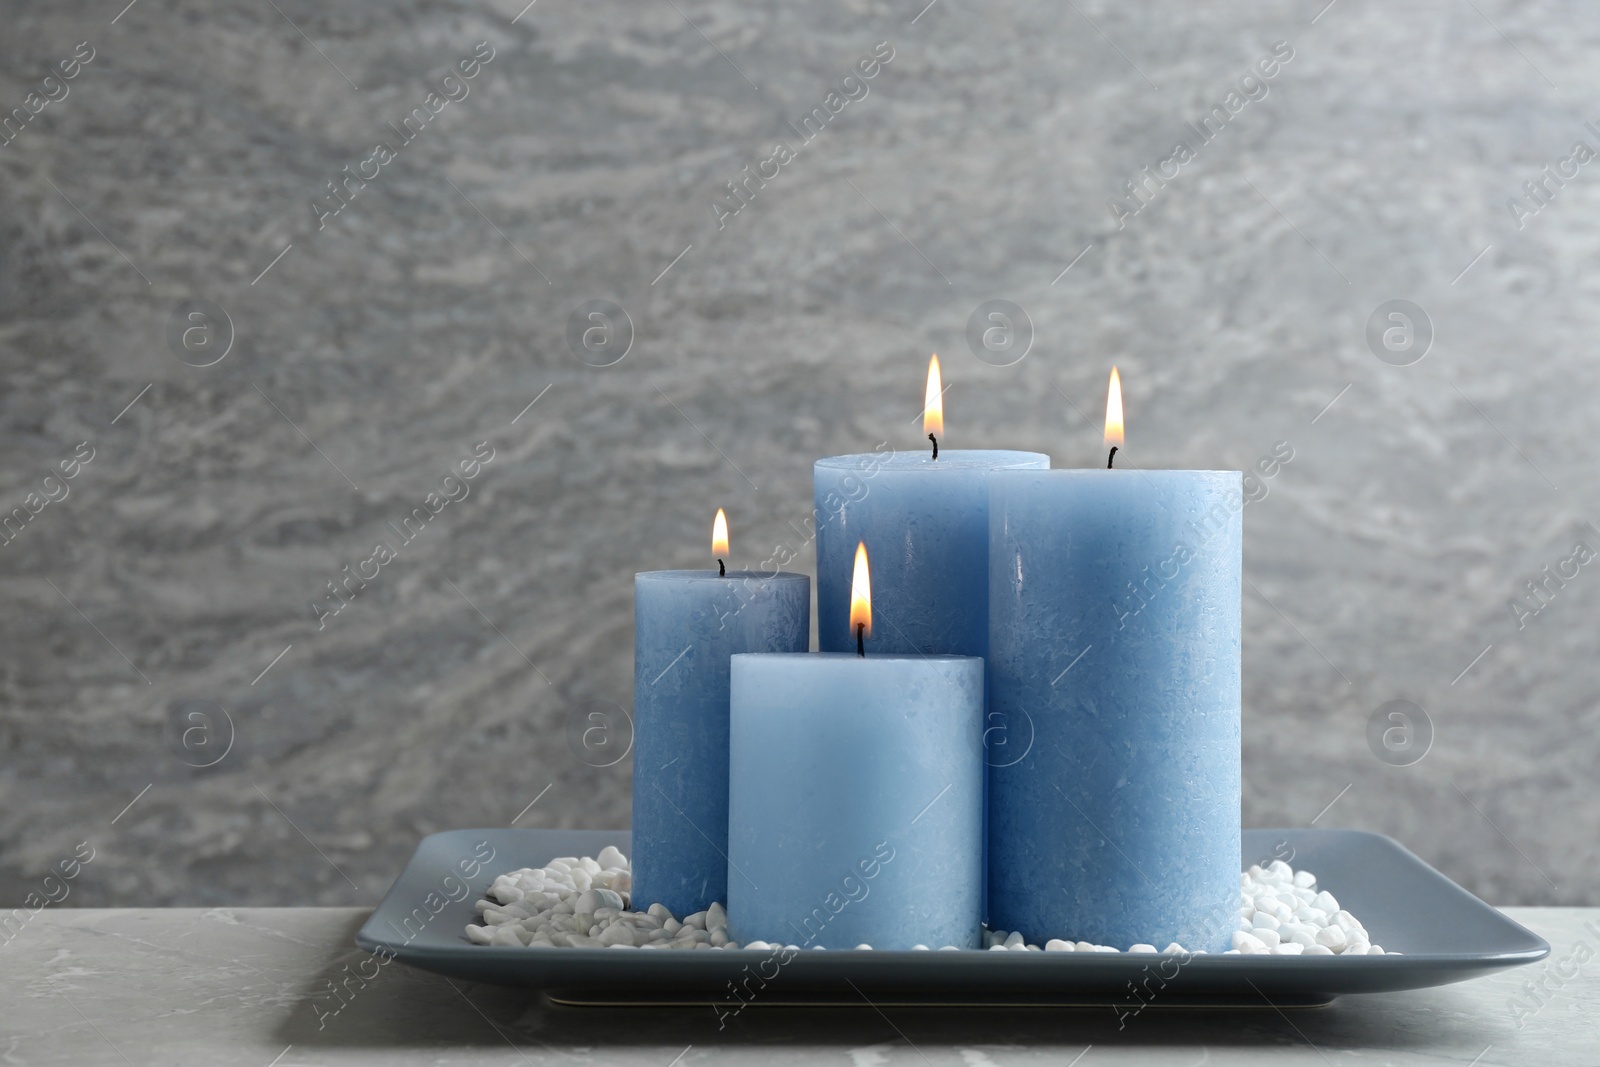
x: 249, y: 986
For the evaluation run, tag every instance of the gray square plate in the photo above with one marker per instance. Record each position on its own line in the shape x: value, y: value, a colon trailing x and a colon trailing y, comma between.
x: 1445, y: 934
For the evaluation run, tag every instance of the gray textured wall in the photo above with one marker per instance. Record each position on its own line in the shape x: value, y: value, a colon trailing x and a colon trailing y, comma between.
x: 425, y: 316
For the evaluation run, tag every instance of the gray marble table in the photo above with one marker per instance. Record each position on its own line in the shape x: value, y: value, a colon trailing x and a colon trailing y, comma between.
x: 250, y: 986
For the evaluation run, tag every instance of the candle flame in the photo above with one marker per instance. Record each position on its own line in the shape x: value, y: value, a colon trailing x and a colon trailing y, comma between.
x: 933, y: 400
x: 719, y: 536
x: 861, y: 594
x: 1114, y: 410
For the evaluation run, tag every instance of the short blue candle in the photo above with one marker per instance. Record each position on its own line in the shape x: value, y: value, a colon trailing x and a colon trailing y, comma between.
x: 856, y: 801
x: 686, y: 626
x: 1114, y: 658
x: 926, y: 523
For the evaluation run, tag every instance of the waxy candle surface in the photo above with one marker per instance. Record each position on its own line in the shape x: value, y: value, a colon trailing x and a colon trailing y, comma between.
x: 1114, y: 673
x: 856, y: 800
x: 686, y: 626
x: 925, y: 523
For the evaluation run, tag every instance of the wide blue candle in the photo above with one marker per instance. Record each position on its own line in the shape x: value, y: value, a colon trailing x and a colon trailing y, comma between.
x: 1114, y: 645
x: 855, y: 800
x: 926, y: 522
x: 686, y: 626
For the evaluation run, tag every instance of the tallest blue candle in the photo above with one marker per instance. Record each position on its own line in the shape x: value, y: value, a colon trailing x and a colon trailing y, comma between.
x: 924, y: 516
x: 926, y: 523
x: 1114, y: 653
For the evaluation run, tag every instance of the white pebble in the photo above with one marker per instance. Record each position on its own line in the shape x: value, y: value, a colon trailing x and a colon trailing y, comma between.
x: 1289, y: 948
x: 1013, y: 938
x: 1248, y: 943
x: 716, y: 917
x: 920, y: 948
x: 1141, y: 947
x: 1298, y: 934
x: 1268, y: 938
x: 1055, y: 944
x: 865, y: 946
x: 1326, y: 902
x: 1318, y: 950
x: 1331, y: 936
x: 757, y: 944
x: 610, y: 856
x: 617, y: 935
x: 697, y: 920
x: 1304, y: 879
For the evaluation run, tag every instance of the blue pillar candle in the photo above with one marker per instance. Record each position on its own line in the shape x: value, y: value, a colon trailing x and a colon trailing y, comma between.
x: 927, y: 523
x: 856, y: 800
x: 686, y: 626
x: 1114, y: 652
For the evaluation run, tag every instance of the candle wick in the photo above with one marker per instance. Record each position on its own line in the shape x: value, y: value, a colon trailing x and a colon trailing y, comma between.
x: 1111, y: 456
x: 722, y: 571
x: 861, y: 639
x: 935, y: 441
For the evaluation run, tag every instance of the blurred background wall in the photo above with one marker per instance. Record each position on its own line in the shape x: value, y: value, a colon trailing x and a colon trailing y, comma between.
x: 176, y: 687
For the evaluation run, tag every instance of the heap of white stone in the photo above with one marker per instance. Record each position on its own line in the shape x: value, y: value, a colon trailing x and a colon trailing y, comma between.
x: 583, y: 902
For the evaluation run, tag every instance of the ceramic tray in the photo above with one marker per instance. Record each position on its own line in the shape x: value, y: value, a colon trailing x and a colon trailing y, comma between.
x: 1444, y: 933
